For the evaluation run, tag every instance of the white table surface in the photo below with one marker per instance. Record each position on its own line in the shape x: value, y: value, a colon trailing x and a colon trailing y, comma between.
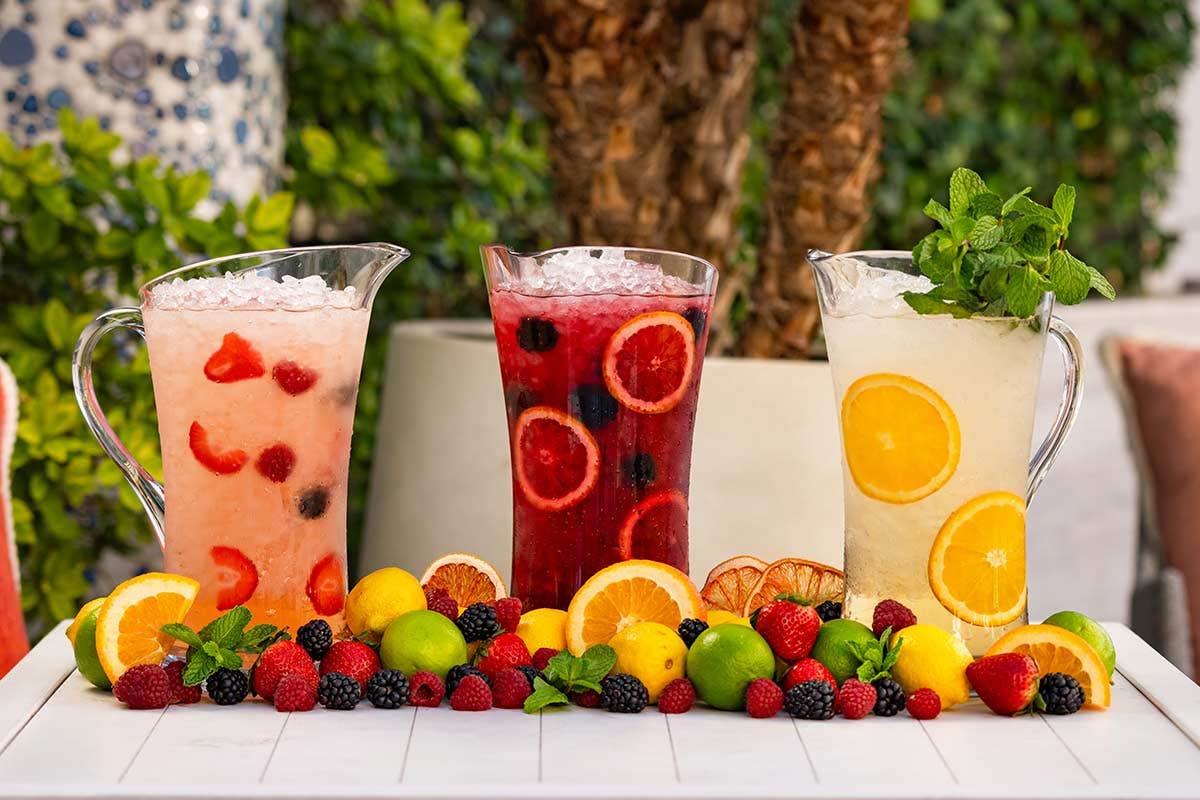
x: 61, y: 738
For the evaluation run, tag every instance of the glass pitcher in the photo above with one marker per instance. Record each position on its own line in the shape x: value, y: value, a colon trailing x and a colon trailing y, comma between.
x: 936, y: 418
x: 255, y: 363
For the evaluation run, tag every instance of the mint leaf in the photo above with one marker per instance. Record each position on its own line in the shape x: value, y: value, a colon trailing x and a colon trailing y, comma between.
x: 543, y: 695
x: 986, y: 204
x: 1034, y: 209
x: 258, y: 637
x: 200, y: 667
x: 964, y: 186
x: 598, y: 660
x: 227, y: 631
x: 939, y: 213
x: 1101, y: 284
x: 877, y: 657
x: 1069, y: 277
x: 986, y: 234
x: 1012, y: 201
x: 1064, y: 205
x: 1024, y: 291
x: 183, y: 633
x: 558, y: 667
x: 229, y: 659
x: 925, y: 304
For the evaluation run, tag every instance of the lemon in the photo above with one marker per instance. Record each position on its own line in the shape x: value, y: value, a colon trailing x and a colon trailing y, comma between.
x: 543, y: 627
x: 718, y: 616
x: 832, y: 647
x: 84, y: 644
x: 88, y: 608
x: 652, y: 653
x: 381, y: 597
x: 422, y: 640
x: 1091, y: 632
x: 724, y: 660
x: 934, y: 659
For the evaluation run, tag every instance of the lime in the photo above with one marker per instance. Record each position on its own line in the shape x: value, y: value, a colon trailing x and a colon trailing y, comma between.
x: 379, y: 598
x: 832, y: 647
x: 423, y: 640
x: 652, y: 653
x: 543, y: 627
x: 933, y: 658
x: 1091, y: 632
x: 722, y: 662
x: 86, y: 659
x: 88, y: 608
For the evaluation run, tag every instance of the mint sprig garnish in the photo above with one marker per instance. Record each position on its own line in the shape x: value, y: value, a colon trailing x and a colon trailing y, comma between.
x: 567, y: 673
x: 996, y: 257
x: 218, y: 643
x: 877, y: 658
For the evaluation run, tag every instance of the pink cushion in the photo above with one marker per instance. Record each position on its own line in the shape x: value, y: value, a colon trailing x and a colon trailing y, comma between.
x: 13, y: 641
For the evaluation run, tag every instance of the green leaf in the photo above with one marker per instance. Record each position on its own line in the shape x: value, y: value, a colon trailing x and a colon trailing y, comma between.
x: 183, y: 633
x: 1101, y: 284
x: 924, y: 304
x: 274, y: 214
x: 1024, y: 291
x: 41, y: 232
x: 226, y: 630
x: 1032, y: 208
x: 114, y: 244
x: 200, y: 667
x: 1012, y: 201
x: 57, y: 200
x: 1064, y: 205
x: 321, y: 148
x: 961, y: 229
x: 964, y: 186
x: 229, y: 659
x: 543, y: 695
x: 151, y: 187
x: 1069, y: 277
x: 986, y: 234
x: 211, y: 648
x: 986, y: 204
x: 939, y: 213
x: 191, y: 190
x: 256, y: 637
x: 598, y: 661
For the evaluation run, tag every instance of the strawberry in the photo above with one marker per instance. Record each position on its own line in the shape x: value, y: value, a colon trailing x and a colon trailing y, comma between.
x: 225, y: 463
x: 351, y: 658
x: 282, y: 658
x: 276, y: 463
x: 327, y: 585
x: 293, y: 378
x: 1006, y: 683
x: 789, y: 628
x: 809, y: 669
x: 237, y: 576
x: 294, y: 694
x: 237, y: 360
x: 857, y: 699
x: 508, y: 613
x: 504, y: 651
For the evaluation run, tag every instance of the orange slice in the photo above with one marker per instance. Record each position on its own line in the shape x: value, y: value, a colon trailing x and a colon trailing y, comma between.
x: 901, y: 439
x: 1056, y: 649
x: 557, y: 459
x: 648, y: 362
x: 468, y: 579
x: 626, y: 593
x: 728, y: 585
x: 977, y: 564
x: 129, y: 625
x: 656, y: 528
x: 813, y: 581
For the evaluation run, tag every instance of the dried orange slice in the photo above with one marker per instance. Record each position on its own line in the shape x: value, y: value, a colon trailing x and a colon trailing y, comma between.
x: 656, y: 528
x: 556, y: 458
x: 1056, y: 649
x: 648, y: 362
x: 813, y: 581
x: 729, y: 583
x: 901, y: 439
x: 129, y: 625
x: 467, y: 578
x: 977, y: 564
x: 627, y: 592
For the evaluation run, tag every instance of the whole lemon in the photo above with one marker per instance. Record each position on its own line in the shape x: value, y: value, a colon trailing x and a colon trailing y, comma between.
x: 652, y: 653
x: 379, y: 598
x: 543, y: 627
x: 933, y: 658
x: 422, y: 640
x: 724, y: 660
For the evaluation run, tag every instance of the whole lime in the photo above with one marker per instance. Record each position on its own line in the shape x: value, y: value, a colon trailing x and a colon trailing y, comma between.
x: 724, y: 660
x: 86, y: 660
x: 832, y: 647
x: 1091, y: 632
x: 422, y: 641
x: 379, y: 598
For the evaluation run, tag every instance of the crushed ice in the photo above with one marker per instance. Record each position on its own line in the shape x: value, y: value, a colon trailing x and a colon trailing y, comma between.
x: 251, y: 291
x: 602, y: 270
x: 859, y: 288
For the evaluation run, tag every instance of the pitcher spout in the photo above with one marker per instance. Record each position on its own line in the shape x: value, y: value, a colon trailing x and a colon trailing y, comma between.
x: 386, y: 258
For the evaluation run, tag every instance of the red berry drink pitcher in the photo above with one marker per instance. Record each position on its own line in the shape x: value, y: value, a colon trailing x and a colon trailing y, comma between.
x: 600, y: 355
x: 255, y: 362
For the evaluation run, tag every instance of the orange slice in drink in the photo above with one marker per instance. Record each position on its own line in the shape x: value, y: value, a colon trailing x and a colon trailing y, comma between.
x: 977, y: 564
x: 655, y: 527
x: 901, y: 439
x: 467, y: 578
x: 728, y: 585
x: 1056, y: 649
x: 129, y: 625
x: 625, y: 593
x: 811, y: 580
x: 557, y: 459
x: 648, y: 362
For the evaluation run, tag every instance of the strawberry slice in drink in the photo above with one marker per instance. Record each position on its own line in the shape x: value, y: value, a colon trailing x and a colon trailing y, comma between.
x: 648, y: 362
x: 276, y: 463
x: 221, y: 462
x: 656, y: 529
x: 327, y: 586
x: 237, y: 360
x: 237, y: 577
x: 557, y: 459
x: 293, y: 378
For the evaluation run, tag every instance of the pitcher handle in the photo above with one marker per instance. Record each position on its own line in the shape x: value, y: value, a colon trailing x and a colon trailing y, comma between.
x: 1068, y: 406
x: 147, y: 489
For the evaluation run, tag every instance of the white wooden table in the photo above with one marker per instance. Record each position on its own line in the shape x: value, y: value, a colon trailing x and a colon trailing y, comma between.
x: 60, y: 738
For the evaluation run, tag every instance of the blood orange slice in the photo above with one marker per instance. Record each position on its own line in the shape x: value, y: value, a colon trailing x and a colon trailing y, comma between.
x: 729, y: 583
x: 648, y: 362
x: 557, y: 460
x: 656, y: 528
x: 466, y: 577
x: 813, y: 581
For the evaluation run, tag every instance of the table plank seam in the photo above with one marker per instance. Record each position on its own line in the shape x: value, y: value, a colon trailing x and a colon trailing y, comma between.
x: 671, y: 742
x: 812, y: 767
x: 408, y: 745
x: 541, y: 720
x: 1068, y: 748
x: 19, y: 729
x: 940, y: 754
x: 271, y: 756
x: 133, y: 759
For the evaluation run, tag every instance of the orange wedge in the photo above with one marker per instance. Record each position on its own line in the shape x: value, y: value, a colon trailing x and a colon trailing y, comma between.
x: 468, y: 578
x: 628, y: 592
x: 1056, y: 649
x: 129, y: 625
x: 813, y: 581
x: 729, y: 583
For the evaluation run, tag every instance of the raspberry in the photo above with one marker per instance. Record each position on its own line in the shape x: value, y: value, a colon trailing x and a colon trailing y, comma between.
x: 425, y: 689
x: 144, y: 686
x: 227, y: 687
x: 276, y: 463
x: 588, y: 699
x: 542, y: 657
x: 857, y: 699
x: 1061, y: 693
x: 351, y: 658
x: 890, y: 614
x: 923, y: 704
x: 677, y: 697
x: 472, y: 694
x: 181, y: 694
x: 457, y: 673
x: 508, y: 613
x: 315, y: 637
x: 689, y: 629
x: 764, y: 698
x: 338, y: 691
x: 433, y: 593
x: 294, y: 694
x: 444, y: 604
x: 510, y: 688
x: 624, y: 694
x: 889, y: 697
x: 810, y: 700
x: 388, y: 688
x: 477, y: 622
x: 281, y: 658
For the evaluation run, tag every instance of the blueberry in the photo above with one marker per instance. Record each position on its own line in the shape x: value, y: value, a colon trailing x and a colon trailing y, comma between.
x: 537, y: 335
x: 313, y: 502
x: 698, y: 319
x: 593, y: 405
x: 640, y: 470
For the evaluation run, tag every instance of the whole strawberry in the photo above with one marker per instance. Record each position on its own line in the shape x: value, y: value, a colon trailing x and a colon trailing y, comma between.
x: 351, y: 658
x: 809, y: 669
x: 677, y: 697
x: 472, y: 694
x: 504, y: 651
x: 144, y: 686
x: 789, y: 628
x: 510, y: 688
x: 294, y: 694
x: 1006, y: 683
x: 856, y: 698
x: 508, y: 613
x: 282, y: 658
x: 764, y: 698
x: 180, y: 694
x: 891, y: 614
x: 923, y: 704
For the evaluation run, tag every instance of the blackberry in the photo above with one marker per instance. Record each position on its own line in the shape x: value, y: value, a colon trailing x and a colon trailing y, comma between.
x: 889, y: 698
x: 689, y: 629
x: 339, y: 691
x: 592, y: 405
x: 388, y: 688
x: 1061, y: 693
x: 478, y: 622
x: 313, y: 502
x: 228, y: 687
x: 829, y: 610
x: 698, y: 319
x: 315, y: 637
x: 623, y: 694
x: 639, y: 470
x: 809, y: 700
x: 536, y: 335
x: 530, y: 672
x: 456, y: 674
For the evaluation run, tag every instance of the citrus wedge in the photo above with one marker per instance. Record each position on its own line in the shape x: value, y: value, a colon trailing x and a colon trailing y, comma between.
x: 977, y: 564
x: 556, y: 458
x: 468, y: 579
x: 811, y: 580
x: 627, y: 592
x: 729, y: 583
x: 128, y: 627
x: 648, y: 362
x: 656, y: 528
x: 87, y: 608
x: 1055, y: 649
x: 901, y: 439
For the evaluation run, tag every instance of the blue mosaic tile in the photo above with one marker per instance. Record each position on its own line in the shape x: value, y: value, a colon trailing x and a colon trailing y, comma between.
x: 16, y: 48
x: 76, y: 29
x: 58, y: 98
